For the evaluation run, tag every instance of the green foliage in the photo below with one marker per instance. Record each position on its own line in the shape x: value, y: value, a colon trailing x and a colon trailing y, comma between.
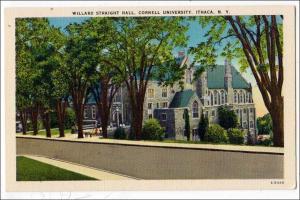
x: 70, y: 118
x: 236, y: 136
x: 187, y: 126
x: 39, y: 125
x: 32, y: 170
x: 227, y: 117
x: 203, y: 126
x: 152, y: 130
x: 264, y: 125
x: 216, y: 134
x: 120, y: 133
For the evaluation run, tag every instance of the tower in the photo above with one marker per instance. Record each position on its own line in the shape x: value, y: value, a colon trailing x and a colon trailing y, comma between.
x: 201, y: 88
x: 228, y: 81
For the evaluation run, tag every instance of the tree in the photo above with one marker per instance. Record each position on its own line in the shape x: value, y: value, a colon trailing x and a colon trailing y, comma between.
x: 79, y: 69
x: 142, y: 51
x: 203, y: 126
x: 107, y: 80
x: 32, y: 47
x: 264, y: 125
x: 187, y: 127
x: 227, y: 118
x: 257, y: 42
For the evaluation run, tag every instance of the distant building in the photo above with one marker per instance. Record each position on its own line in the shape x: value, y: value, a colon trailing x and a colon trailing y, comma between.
x: 221, y: 85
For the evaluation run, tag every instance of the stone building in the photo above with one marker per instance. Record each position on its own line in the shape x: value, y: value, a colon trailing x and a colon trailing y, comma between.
x: 219, y: 86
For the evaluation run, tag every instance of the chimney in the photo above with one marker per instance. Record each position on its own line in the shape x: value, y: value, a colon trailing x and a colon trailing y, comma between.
x: 181, y: 54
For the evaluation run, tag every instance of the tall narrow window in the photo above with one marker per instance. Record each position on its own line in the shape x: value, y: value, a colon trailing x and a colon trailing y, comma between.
x: 211, y: 99
x: 216, y: 98
x: 164, y: 104
x: 94, y: 112
x: 235, y: 97
x: 164, y: 92
x: 150, y: 93
x: 222, y: 97
x: 195, y: 109
x: 226, y: 97
x: 85, y: 112
x: 149, y: 105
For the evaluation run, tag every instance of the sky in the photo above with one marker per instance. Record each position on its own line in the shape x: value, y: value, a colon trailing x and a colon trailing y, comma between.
x: 196, y: 35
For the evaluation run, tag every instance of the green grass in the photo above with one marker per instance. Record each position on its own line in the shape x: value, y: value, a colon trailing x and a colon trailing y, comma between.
x: 54, y: 132
x: 32, y: 170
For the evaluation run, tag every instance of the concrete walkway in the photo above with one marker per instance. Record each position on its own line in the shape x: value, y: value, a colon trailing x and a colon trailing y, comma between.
x: 88, y: 171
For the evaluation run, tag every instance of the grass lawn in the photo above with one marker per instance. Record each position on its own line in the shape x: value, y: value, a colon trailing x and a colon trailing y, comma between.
x: 32, y: 170
x: 54, y: 132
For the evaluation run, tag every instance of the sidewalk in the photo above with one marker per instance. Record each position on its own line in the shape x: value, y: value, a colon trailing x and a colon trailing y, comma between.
x: 88, y: 171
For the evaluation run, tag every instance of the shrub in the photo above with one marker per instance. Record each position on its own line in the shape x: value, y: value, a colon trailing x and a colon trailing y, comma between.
x: 40, y: 125
x: 152, y: 130
x: 216, y: 134
x: 120, y: 133
x: 203, y: 126
x: 227, y: 118
x: 70, y: 118
x: 236, y: 136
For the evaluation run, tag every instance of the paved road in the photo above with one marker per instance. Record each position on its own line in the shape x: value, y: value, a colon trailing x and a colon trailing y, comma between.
x: 88, y: 171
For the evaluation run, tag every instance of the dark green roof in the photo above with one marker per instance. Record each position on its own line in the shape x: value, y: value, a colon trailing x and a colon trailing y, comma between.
x: 215, y: 78
x: 181, y: 99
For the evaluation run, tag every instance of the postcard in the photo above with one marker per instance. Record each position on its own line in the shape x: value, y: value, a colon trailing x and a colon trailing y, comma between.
x: 150, y: 98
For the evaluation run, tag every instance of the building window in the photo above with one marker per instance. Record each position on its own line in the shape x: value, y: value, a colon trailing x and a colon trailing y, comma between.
x: 195, y: 109
x: 164, y: 104
x: 244, y: 125
x: 150, y: 116
x: 211, y: 99
x: 164, y: 92
x: 235, y: 97
x: 149, y: 105
x: 251, y: 124
x: 85, y: 113
x: 244, y: 98
x: 219, y: 98
x: 216, y: 98
x: 245, y: 110
x: 93, y: 112
x: 150, y: 93
x: 157, y: 105
x: 225, y: 97
x: 222, y: 97
x: 163, y: 116
x: 237, y: 111
x: 213, y: 113
x: 206, y: 114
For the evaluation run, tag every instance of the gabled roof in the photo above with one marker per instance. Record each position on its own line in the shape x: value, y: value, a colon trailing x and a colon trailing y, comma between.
x: 181, y: 99
x: 215, y: 78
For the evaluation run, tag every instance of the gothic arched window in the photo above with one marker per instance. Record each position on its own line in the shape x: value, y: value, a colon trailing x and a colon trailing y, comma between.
x: 222, y: 97
x: 226, y: 97
x: 235, y: 97
x: 195, y: 109
x: 216, y: 97
x: 211, y: 99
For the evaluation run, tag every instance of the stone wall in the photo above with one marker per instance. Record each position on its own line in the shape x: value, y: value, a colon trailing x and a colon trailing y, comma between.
x: 165, y: 161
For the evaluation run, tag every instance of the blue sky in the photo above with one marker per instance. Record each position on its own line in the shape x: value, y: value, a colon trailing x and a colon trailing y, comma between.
x: 195, y: 34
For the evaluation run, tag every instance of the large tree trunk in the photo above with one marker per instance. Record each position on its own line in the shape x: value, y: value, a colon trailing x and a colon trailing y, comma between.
x: 34, y: 111
x: 61, y: 111
x: 78, y: 97
x: 277, y: 119
x: 79, y: 119
x: 23, y: 118
x: 46, y: 122
x: 137, y: 119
